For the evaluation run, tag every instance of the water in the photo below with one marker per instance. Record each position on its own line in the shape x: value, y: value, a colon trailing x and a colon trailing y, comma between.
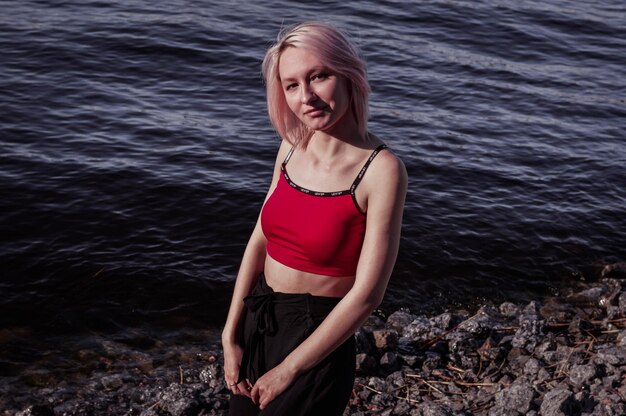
x: 135, y: 152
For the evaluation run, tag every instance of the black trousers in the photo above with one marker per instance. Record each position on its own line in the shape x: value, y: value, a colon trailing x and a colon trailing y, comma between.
x: 275, y: 324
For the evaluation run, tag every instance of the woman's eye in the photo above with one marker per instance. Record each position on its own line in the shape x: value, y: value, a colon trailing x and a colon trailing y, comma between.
x: 320, y: 76
x: 290, y: 86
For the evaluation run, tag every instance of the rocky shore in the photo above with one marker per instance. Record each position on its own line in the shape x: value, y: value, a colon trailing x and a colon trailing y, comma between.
x: 555, y: 356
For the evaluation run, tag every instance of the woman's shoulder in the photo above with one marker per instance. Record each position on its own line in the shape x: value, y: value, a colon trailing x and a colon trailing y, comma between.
x: 387, y: 170
x: 283, y: 150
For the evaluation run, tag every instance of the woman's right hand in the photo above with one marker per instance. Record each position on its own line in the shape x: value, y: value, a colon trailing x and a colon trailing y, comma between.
x: 233, y: 354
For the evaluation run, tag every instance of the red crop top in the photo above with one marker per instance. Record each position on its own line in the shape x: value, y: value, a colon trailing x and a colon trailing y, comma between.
x: 315, y: 232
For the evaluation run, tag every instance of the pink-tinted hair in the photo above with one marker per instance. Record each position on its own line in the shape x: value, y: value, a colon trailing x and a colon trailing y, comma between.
x: 334, y: 49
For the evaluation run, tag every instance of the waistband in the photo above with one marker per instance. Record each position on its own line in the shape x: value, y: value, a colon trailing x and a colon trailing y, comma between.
x: 262, y: 304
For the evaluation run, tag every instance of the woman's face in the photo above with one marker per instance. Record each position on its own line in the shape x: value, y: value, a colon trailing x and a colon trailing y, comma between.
x: 317, y: 96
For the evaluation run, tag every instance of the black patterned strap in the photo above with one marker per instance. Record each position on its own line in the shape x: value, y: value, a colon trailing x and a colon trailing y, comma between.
x: 365, y: 166
x: 288, y: 155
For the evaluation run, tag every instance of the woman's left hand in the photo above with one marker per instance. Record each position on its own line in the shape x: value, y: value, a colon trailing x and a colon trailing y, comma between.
x: 271, y: 385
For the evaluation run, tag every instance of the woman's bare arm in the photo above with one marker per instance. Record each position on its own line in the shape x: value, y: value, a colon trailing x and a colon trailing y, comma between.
x: 252, y: 265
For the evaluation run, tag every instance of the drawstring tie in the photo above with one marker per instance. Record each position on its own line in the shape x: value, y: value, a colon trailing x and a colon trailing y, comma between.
x: 253, y: 360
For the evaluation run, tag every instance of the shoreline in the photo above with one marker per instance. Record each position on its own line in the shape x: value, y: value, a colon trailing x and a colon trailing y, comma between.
x: 556, y: 356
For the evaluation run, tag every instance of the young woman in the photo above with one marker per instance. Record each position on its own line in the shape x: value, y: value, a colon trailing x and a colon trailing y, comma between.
x: 321, y: 254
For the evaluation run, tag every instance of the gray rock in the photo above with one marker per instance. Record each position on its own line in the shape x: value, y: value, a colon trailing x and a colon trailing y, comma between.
x: 559, y: 402
x: 530, y: 332
x: 531, y: 367
x: 419, y: 330
x: 364, y: 342
x: 518, y: 397
x: 542, y: 375
x: 389, y: 362
x: 443, y: 321
x: 609, y: 408
x: 611, y: 355
x: 591, y: 295
x: 483, y: 321
x: 509, y: 309
x: 399, y: 320
x: 178, y: 400
x: 432, y: 361
x: 37, y: 410
x: 374, y: 322
x: 532, y: 308
x: 580, y: 375
x: 210, y: 372
x: 377, y: 383
x: 402, y: 408
x: 366, y: 364
x: 112, y: 382
x: 395, y: 379
x: 548, y: 344
x: 434, y: 409
x: 410, y: 360
x: 622, y: 303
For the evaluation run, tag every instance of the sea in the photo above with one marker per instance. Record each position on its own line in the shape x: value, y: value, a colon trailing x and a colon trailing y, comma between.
x: 135, y: 153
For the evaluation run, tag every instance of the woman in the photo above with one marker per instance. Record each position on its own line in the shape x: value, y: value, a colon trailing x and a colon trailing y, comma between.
x: 318, y: 262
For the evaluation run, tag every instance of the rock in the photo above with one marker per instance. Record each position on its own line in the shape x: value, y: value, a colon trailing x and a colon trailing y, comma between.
x: 555, y: 311
x: 488, y: 351
x: 531, y: 367
x: 622, y: 303
x: 614, y: 270
x: 622, y: 392
x: 532, y: 308
x: 483, y: 321
x: 395, y: 380
x: 531, y: 329
x: 580, y: 375
x: 36, y: 410
x: 364, y: 342
x: 374, y: 322
x: 178, y: 400
x: 410, y: 360
x: 434, y: 409
x: 366, y: 364
x: 509, y: 309
x: 399, y: 320
x: 210, y: 372
x: 611, y: 355
x: 402, y: 408
x: 443, y: 321
x: 432, y: 361
x: 590, y: 296
x: 419, y: 330
x: 621, y: 338
x: 559, y: 402
x: 389, y: 362
x: 518, y: 397
x: 608, y: 407
x: 112, y: 382
x: 385, y: 339
x: 548, y: 344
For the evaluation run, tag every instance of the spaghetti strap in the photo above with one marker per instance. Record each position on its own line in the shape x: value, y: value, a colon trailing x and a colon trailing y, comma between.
x: 288, y: 156
x: 364, y: 168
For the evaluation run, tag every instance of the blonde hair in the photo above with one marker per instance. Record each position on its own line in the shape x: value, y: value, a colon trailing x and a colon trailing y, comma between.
x: 338, y: 54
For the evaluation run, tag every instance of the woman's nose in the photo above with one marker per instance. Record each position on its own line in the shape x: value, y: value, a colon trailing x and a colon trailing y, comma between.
x: 307, y: 95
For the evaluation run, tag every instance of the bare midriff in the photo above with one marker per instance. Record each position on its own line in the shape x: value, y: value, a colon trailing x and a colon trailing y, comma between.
x: 284, y: 279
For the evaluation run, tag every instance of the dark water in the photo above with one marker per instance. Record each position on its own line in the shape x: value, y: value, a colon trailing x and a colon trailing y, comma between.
x: 135, y: 152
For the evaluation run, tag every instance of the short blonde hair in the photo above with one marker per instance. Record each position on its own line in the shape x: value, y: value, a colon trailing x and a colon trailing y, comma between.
x: 338, y: 54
